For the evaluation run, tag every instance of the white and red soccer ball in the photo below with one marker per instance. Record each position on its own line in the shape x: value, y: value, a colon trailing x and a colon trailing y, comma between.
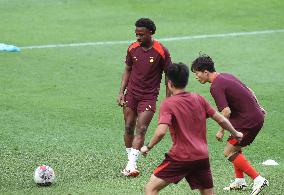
x: 44, y: 175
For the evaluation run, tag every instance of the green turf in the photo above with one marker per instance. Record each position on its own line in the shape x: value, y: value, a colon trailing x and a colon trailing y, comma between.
x: 57, y: 105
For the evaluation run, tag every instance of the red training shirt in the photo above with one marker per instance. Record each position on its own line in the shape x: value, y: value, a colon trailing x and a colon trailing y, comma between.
x: 186, y: 114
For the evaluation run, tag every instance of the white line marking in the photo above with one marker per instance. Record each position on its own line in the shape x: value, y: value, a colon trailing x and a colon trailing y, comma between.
x: 234, y: 34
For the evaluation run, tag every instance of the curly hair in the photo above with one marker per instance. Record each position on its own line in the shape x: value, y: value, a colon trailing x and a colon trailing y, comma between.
x: 202, y: 63
x: 147, y: 23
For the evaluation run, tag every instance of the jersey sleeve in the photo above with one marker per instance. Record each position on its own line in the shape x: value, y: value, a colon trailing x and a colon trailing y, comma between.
x: 210, y: 111
x: 219, y: 96
x: 167, y: 60
x: 165, y: 116
x: 128, y: 58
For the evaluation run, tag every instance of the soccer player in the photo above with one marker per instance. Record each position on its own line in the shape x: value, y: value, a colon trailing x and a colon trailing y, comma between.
x: 146, y: 60
x: 185, y: 114
x: 239, y: 104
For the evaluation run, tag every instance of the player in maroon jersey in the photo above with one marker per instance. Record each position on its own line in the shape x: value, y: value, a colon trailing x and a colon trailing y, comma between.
x: 185, y: 114
x: 146, y: 60
x: 238, y: 103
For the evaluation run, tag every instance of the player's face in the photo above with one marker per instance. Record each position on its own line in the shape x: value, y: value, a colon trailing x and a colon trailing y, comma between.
x: 202, y: 77
x: 143, y: 35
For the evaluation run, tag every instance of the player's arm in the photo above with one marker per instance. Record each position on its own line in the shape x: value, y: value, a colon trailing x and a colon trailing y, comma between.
x: 157, y: 137
x: 219, y: 95
x: 225, y: 124
x: 124, y: 81
x: 167, y: 63
x: 226, y: 112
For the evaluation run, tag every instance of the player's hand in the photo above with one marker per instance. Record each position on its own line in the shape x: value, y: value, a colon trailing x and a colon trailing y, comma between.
x: 120, y: 99
x: 220, y: 135
x: 144, y: 150
x: 239, y: 136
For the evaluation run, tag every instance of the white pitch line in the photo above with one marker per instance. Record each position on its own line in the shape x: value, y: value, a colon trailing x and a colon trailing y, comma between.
x: 234, y: 34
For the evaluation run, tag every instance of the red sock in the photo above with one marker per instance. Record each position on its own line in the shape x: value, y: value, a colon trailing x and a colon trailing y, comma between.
x: 243, y: 164
x: 238, y: 172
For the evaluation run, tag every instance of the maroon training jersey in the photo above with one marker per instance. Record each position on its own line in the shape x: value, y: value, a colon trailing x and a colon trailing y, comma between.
x: 147, y: 69
x: 186, y: 114
x: 228, y: 91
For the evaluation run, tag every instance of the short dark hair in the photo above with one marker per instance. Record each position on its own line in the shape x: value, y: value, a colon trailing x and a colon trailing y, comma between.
x: 147, y: 23
x: 178, y: 74
x: 202, y: 63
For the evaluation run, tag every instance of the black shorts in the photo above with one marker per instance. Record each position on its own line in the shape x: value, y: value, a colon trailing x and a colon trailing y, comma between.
x: 197, y: 173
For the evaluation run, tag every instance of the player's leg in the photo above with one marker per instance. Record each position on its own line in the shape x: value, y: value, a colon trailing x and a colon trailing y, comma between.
x: 154, y: 185
x: 206, y: 191
x: 234, y: 154
x: 146, y: 110
x: 143, y: 121
x: 199, y: 176
x: 230, y: 152
x: 130, y: 118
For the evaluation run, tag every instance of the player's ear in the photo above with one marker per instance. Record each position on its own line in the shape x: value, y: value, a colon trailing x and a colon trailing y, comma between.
x: 170, y: 85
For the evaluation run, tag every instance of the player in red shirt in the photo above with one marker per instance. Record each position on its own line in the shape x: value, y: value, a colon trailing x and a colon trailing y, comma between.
x: 185, y: 114
x: 146, y: 60
x: 238, y: 103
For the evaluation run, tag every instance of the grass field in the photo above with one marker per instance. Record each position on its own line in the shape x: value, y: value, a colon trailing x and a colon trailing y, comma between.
x: 58, y: 105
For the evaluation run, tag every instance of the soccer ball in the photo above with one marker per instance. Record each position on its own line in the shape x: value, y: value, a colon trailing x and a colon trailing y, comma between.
x: 44, y: 175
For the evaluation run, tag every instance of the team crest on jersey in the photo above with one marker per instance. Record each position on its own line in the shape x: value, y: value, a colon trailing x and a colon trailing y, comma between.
x: 151, y: 59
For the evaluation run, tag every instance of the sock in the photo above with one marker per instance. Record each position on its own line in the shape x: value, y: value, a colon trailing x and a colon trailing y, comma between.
x: 133, y: 156
x: 259, y: 178
x: 242, y: 163
x: 238, y: 172
x: 128, y: 150
x: 240, y: 180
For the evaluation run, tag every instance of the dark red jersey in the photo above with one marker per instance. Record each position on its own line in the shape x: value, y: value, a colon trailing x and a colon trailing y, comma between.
x: 147, y: 69
x: 228, y: 91
x: 186, y: 114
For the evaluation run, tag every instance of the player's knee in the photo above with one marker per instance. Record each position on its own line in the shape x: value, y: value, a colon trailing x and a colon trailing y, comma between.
x: 226, y: 154
x: 141, y: 130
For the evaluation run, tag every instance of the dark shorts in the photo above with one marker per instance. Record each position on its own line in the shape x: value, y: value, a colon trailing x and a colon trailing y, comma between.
x: 197, y: 173
x: 249, y: 136
x: 140, y: 104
